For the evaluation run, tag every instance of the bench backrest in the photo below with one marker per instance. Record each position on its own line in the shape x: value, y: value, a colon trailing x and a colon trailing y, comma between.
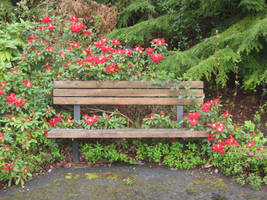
x: 126, y: 93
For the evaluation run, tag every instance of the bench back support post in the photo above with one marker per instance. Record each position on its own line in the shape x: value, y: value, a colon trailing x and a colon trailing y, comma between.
x: 75, y: 142
x: 180, y: 114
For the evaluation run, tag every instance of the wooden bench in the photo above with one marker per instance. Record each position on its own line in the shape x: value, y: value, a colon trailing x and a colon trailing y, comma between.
x: 124, y: 93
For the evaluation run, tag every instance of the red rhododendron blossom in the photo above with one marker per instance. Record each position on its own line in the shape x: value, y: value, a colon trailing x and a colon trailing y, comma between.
x: 250, y: 144
x: 138, y: 49
x: 151, y: 117
x: 55, y: 120
x: 26, y: 170
x: 149, y: 51
x: 86, y: 32
x: 41, y: 28
x: 27, y: 83
x: 49, y: 49
x: 162, y: 114
x: 31, y: 38
x: 74, y: 18
x: 16, y: 101
x: 111, y: 68
x: 106, y: 49
x: 205, y: 108
x: 128, y: 52
x: 213, y: 125
x: 89, y: 59
x: 2, y: 92
x: 2, y: 84
x: 46, y: 20
x: 50, y: 26
x: 194, y: 116
x: 100, y: 59
x: 76, y: 28
x: 230, y: 141
x: 220, y: 128
x: 193, y: 122
x: 61, y: 53
x: 68, y: 121
x: 99, y: 43
x: 156, y: 57
x: 216, y: 101
x: 219, y: 147
x: 87, y: 51
x: 6, y: 148
x: 9, y: 166
x: 211, y: 137
x: 226, y: 114
x: 47, y: 66
x: 116, y: 42
x: 107, y: 116
x: 2, y: 136
x: 90, y: 120
x: 75, y: 45
x: 159, y: 41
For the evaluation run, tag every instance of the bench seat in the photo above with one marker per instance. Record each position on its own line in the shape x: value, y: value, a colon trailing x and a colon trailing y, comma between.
x: 126, y: 133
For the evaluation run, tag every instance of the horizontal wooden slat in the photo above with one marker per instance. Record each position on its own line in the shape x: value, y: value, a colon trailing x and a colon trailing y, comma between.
x: 125, y: 133
x: 125, y: 92
x: 122, y: 84
x: 124, y: 101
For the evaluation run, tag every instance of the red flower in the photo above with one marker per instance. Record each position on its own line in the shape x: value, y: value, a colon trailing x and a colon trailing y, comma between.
x: 2, y: 92
x: 194, y: 115
x: 149, y: 51
x: 50, y: 26
x: 151, y: 117
x: 16, y: 101
x: 26, y: 170
x: 226, y: 114
x: 74, y: 18
x: 86, y: 32
x: 76, y: 28
x: 111, y: 68
x: 193, y: 122
x: 6, y: 148
x: 162, y: 114
x: 211, y: 138
x: 156, y: 57
x: 159, y: 41
x: 100, y: 59
x: 75, y: 45
x: 105, y: 49
x: 205, y: 108
x: 220, y: 128
x: 230, y: 141
x: 107, y: 116
x: 250, y: 144
x: 31, y: 38
x: 126, y: 51
x: 216, y: 101
x: 138, y: 49
x: 46, y: 20
x: 116, y: 42
x: 27, y: 83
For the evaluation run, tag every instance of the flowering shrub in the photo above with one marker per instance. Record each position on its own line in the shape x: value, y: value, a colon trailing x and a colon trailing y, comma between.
x: 59, y: 49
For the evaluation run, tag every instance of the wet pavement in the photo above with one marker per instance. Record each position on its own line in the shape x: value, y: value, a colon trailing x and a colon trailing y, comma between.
x: 131, y: 182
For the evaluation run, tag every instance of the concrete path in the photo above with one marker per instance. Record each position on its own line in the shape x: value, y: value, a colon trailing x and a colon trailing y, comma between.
x: 131, y: 182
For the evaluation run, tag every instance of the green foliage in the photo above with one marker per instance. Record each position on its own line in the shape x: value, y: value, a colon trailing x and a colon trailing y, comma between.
x: 242, y: 45
x: 145, y: 31
x: 136, y: 12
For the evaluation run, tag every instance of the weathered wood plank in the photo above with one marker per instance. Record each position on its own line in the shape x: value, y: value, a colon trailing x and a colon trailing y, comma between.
x: 122, y: 84
x: 125, y: 133
x: 125, y: 92
x: 124, y: 101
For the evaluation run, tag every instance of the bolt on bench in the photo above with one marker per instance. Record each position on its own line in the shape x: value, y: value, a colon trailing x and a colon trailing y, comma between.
x: 124, y: 93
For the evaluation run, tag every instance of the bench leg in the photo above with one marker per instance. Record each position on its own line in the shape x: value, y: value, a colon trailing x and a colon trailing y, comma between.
x: 180, y: 117
x: 75, y: 150
x: 75, y: 142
